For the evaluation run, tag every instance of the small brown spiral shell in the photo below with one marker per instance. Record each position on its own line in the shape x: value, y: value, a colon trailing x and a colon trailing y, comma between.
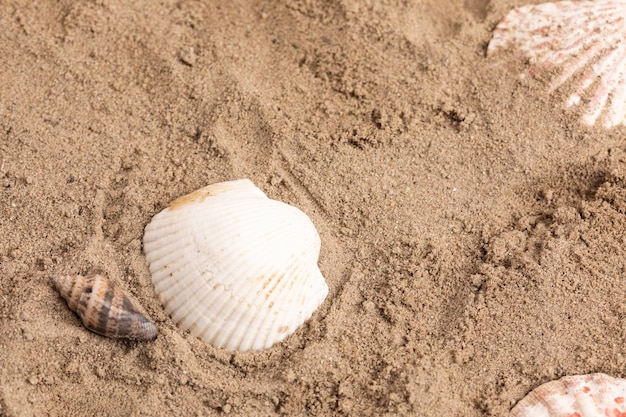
x: 103, y: 307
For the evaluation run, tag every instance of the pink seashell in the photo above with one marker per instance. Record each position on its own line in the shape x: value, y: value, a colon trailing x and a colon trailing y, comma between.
x: 585, y: 40
x: 575, y: 396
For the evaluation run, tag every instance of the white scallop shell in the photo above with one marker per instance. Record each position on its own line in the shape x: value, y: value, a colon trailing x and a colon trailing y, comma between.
x: 594, y: 395
x: 582, y: 39
x: 233, y: 267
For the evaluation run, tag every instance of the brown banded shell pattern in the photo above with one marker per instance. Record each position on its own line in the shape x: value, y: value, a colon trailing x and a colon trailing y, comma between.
x: 104, y: 308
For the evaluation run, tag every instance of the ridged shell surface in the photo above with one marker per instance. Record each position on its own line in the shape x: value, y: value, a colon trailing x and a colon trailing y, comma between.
x: 584, y: 41
x: 103, y: 307
x: 235, y: 268
x: 593, y: 395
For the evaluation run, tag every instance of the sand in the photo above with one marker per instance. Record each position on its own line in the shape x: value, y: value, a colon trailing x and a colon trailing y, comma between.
x: 472, y: 230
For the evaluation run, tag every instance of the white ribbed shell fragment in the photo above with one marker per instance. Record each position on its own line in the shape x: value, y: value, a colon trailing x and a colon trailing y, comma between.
x: 594, y: 395
x: 584, y: 41
x: 233, y: 267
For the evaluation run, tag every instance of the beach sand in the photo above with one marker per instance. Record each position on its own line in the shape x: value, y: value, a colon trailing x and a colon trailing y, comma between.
x: 472, y: 229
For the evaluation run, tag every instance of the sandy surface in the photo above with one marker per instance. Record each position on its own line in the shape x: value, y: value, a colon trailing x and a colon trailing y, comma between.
x: 472, y: 231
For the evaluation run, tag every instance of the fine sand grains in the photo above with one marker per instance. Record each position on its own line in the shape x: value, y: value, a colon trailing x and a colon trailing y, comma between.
x: 472, y: 232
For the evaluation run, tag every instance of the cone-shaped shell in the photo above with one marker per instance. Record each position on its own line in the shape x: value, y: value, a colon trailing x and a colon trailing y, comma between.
x: 103, y: 307
x: 235, y: 268
x: 594, y: 395
x: 584, y: 41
